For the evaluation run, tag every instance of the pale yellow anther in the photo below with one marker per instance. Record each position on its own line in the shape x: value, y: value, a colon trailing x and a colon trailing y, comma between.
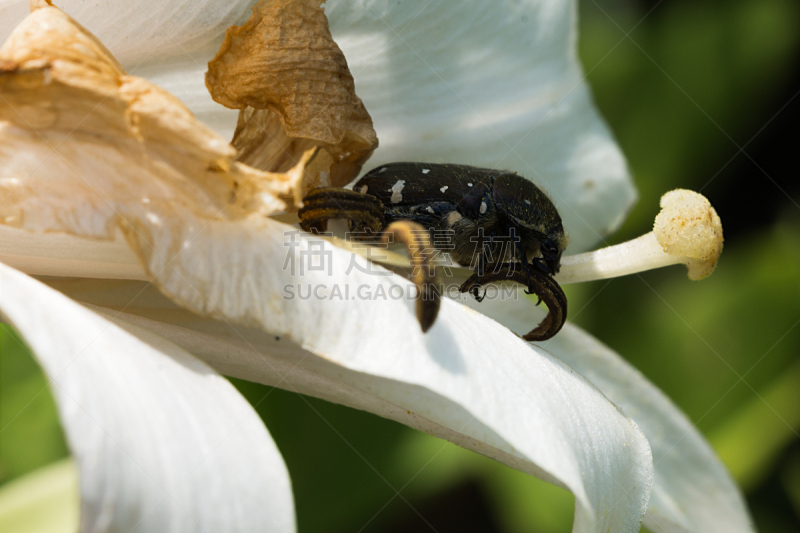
x: 689, y: 227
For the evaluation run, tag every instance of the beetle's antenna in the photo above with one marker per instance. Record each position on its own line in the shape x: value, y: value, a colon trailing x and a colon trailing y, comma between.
x: 325, y: 203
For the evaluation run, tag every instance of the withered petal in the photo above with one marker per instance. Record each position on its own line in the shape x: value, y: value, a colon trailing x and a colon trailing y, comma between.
x: 295, y: 91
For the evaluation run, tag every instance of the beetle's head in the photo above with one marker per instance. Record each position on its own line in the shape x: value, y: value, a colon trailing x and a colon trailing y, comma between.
x: 534, y: 217
x: 552, y: 248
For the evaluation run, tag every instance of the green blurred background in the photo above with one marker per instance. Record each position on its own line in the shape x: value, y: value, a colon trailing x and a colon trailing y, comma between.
x: 700, y: 94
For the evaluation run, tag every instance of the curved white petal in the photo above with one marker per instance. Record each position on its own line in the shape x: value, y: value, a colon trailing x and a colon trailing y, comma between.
x: 478, y: 384
x: 692, y: 491
x: 162, y: 442
x: 494, y: 84
x: 467, y: 380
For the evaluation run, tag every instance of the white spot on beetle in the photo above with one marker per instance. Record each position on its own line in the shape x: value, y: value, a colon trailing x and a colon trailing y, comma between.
x: 363, y: 189
x: 469, y: 185
x: 382, y: 170
x: 528, y: 202
x: 397, y: 191
x: 453, y: 217
x: 425, y: 170
x: 430, y: 210
x: 484, y: 207
x: 443, y: 188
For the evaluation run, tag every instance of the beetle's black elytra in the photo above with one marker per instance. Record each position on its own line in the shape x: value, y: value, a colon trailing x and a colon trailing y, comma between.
x: 479, y: 216
x: 464, y: 199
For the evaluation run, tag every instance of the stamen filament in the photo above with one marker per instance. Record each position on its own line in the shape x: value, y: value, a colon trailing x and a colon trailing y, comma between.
x: 637, y: 255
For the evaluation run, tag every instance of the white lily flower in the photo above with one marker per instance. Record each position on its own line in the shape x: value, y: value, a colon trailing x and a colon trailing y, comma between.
x: 162, y: 442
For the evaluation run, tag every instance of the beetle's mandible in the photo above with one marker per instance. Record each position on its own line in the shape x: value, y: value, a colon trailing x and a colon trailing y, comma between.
x: 479, y: 216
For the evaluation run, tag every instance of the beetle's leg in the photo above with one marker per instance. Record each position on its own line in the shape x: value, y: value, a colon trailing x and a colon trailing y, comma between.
x: 523, y: 257
x: 530, y: 290
x: 545, y: 286
x: 417, y: 241
x: 325, y: 203
x: 476, y: 292
x: 480, y: 271
x: 541, y: 264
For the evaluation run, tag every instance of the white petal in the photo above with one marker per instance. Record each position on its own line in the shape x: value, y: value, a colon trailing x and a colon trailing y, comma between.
x: 468, y: 379
x: 143, y: 32
x: 568, y: 444
x: 692, y: 491
x: 162, y: 442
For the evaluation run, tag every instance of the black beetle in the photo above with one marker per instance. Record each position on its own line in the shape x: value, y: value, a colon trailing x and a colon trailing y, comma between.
x: 480, y: 216
x: 479, y: 206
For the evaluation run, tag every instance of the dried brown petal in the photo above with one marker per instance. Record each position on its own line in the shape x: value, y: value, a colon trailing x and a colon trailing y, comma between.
x: 85, y: 148
x: 291, y: 81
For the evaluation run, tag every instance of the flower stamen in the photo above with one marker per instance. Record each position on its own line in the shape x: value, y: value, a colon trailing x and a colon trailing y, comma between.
x: 686, y: 231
